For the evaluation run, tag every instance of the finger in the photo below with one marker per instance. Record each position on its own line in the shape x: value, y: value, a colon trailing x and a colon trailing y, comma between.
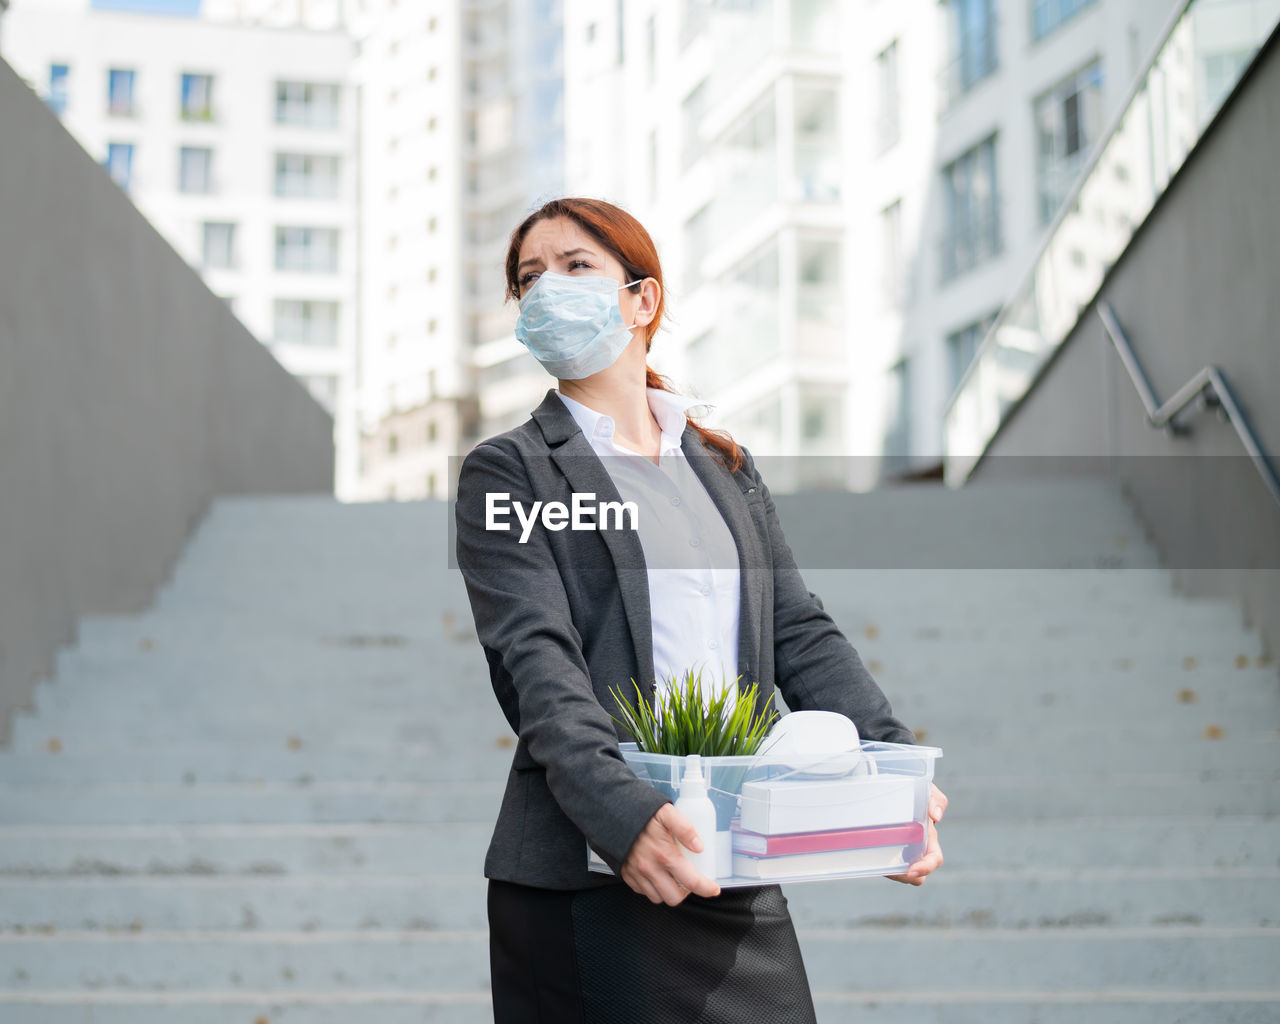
x: 680, y: 827
x: 638, y: 883
x: 670, y: 890
x: 694, y: 880
x: 937, y: 804
x: 932, y: 859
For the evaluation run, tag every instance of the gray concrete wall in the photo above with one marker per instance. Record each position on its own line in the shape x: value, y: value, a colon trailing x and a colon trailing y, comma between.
x: 129, y: 396
x: 1197, y: 285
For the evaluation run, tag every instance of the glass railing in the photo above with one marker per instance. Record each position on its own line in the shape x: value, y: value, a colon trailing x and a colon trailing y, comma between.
x: 1205, y: 49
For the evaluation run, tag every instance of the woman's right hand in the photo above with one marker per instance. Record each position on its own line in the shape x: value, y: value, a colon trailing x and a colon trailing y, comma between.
x: 657, y: 868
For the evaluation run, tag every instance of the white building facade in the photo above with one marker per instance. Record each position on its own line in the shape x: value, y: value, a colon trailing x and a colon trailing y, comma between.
x: 843, y: 193
x: 238, y: 142
x: 460, y: 133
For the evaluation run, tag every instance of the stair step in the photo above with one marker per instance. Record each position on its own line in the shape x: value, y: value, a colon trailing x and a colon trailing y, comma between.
x: 1240, y: 841
x: 974, y: 796
x: 955, y: 898
x: 368, y: 959
x: 327, y: 1006
x: 1011, y: 960
x: 1108, y: 1006
x: 1081, y: 959
x: 453, y: 1007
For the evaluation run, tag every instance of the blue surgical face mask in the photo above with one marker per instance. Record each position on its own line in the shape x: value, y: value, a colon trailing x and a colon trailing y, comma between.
x: 573, y: 325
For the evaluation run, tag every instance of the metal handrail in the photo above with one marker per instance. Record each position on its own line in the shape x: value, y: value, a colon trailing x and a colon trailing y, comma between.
x: 1209, y: 379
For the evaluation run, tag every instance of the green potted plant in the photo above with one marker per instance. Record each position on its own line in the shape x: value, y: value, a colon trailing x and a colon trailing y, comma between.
x: 687, y: 719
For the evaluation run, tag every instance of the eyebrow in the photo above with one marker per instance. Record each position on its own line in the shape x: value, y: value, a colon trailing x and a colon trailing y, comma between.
x: 563, y: 256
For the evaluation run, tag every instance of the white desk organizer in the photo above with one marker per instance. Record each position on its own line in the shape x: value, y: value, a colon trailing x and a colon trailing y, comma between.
x: 786, y: 818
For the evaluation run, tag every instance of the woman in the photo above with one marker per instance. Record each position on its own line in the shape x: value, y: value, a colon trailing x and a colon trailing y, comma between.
x: 565, y: 614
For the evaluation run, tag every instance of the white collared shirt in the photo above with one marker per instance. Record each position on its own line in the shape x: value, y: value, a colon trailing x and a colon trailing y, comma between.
x: 689, y: 553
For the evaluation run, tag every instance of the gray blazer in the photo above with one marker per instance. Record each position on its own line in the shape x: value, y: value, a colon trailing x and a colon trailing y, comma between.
x: 565, y: 616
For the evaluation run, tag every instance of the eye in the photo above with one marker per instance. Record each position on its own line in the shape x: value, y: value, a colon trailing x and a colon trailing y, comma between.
x: 527, y: 279
x: 575, y: 264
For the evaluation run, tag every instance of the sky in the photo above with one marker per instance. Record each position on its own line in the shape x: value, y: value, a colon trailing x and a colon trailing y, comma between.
x: 188, y: 7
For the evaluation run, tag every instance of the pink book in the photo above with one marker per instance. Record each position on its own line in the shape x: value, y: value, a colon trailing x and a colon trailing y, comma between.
x: 758, y: 845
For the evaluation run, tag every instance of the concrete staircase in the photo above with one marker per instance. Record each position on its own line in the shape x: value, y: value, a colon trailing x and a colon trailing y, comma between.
x: 267, y: 798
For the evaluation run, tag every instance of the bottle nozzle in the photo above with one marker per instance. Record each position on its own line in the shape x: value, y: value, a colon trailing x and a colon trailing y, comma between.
x: 693, y: 783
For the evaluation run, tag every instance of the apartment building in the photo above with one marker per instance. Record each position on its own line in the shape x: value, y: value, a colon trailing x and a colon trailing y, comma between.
x: 844, y: 193
x: 460, y: 134
x: 238, y: 142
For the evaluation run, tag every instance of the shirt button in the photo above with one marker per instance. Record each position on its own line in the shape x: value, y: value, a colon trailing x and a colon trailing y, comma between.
x: 675, y: 499
x: 704, y: 590
x: 694, y: 542
x: 713, y: 644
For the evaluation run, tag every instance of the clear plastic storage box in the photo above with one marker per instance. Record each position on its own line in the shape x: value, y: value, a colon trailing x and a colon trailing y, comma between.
x: 787, y: 818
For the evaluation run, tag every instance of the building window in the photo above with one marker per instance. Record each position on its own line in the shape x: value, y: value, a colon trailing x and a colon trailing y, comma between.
x: 972, y: 32
x: 691, y: 111
x: 697, y: 239
x: 821, y: 416
x: 897, y: 438
x: 218, y: 246
x: 962, y: 346
x: 431, y: 431
x: 1046, y: 15
x: 307, y: 104
x: 306, y: 322
x: 971, y: 204
x: 59, y: 74
x: 1221, y: 72
x: 818, y: 289
x: 651, y: 49
x: 393, y: 444
x: 197, y: 97
x: 817, y: 153
x: 888, y: 127
x: 891, y: 260
x: 120, y: 92
x: 119, y: 163
x: 1068, y: 122
x: 303, y: 176
x: 309, y: 250
x: 653, y: 165
x: 195, y: 169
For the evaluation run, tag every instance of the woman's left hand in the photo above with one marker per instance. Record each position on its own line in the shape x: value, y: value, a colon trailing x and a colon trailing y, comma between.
x: 932, y: 859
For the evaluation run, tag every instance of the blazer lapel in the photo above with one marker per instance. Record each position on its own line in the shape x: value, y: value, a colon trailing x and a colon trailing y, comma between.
x: 725, y: 491
x: 573, y: 455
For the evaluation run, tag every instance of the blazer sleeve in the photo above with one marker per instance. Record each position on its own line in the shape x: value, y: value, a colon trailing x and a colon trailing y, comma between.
x: 525, y: 624
x: 817, y: 668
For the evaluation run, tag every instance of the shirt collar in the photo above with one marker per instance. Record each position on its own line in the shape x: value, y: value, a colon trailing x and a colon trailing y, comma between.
x: 667, y: 407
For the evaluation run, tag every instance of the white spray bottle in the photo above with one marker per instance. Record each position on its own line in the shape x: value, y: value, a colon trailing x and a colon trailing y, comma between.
x: 697, y: 807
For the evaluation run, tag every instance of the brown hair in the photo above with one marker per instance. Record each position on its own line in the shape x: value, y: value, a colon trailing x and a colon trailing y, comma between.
x: 630, y: 244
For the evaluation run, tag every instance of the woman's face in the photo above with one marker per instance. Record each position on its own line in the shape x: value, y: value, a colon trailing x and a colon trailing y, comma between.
x: 561, y: 246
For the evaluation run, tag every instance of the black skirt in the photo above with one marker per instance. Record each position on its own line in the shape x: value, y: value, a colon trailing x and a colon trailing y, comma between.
x: 609, y: 956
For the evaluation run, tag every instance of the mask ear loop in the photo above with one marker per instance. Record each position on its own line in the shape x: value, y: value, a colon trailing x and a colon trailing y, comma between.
x: 632, y: 284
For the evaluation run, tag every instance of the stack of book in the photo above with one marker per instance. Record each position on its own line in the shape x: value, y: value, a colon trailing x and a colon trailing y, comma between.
x: 879, y: 850
x: 795, y: 827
